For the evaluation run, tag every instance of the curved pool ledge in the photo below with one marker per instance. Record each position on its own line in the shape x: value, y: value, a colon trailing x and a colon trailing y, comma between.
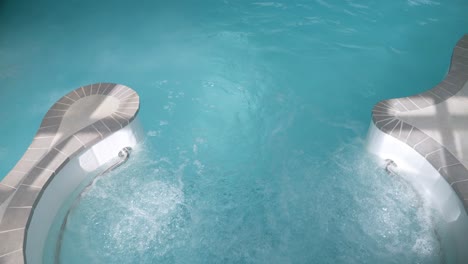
x: 426, y: 136
x: 80, y: 132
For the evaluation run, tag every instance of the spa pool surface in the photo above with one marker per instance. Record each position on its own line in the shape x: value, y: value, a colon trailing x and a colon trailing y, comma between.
x: 255, y: 115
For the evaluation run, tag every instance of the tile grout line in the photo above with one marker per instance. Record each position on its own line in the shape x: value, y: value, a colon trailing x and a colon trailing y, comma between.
x: 97, y: 131
x: 432, y: 152
x: 116, y: 121
x: 446, y: 166
x: 11, y: 230
x: 417, y: 144
x: 395, y: 126
x: 411, y: 101
x: 105, y: 126
x: 377, y: 122
x: 4, y: 255
x: 69, y: 98
x: 407, y: 137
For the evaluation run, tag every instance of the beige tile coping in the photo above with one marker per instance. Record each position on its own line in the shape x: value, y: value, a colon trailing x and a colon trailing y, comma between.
x: 435, y: 123
x: 74, y: 123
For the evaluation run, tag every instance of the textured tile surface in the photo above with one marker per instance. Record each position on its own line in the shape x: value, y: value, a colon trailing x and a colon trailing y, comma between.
x: 426, y: 122
x: 15, y: 257
x: 24, y: 196
x: 48, y: 153
x: 15, y: 241
x: 14, y: 218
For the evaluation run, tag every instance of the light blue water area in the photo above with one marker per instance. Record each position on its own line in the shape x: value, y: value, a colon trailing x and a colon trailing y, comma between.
x: 255, y: 114
x: 185, y: 209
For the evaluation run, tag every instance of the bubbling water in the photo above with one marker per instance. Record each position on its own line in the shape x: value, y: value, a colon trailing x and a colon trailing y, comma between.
x: 345, y: 210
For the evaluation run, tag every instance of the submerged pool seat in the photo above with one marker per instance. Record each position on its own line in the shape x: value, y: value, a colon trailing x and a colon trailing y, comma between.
x: 74, y: 124
x: 426, y: 136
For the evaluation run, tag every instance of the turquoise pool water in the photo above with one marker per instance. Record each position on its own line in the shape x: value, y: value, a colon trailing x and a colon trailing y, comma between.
x: 160, y: 209
x: 255, y: 114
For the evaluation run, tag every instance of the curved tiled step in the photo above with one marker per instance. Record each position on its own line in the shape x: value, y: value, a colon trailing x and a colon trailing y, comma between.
x: 74, y: 123
x: 435, y: 123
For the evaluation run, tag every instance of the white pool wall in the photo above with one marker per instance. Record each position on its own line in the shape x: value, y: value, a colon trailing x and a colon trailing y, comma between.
x: 431, y: 185
x: 68, y: 179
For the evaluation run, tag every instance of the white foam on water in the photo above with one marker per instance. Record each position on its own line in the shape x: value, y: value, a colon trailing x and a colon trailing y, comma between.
x: 324, y: 3
x: 422, y: 2
x: 144, y: 213
x: 389, y: 210
x: 269, y: 4
x: 153, y: 133
x: 128, y: 213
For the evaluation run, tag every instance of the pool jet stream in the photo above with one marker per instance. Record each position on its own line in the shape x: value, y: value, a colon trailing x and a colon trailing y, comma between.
x: 122, y: 156
x: 390, y: 167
